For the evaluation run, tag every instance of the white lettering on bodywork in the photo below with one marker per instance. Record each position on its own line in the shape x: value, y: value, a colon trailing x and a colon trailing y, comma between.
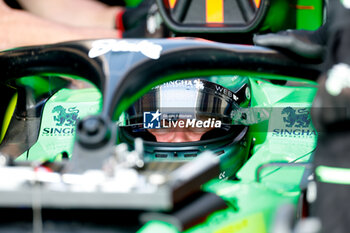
x: 145, y: 47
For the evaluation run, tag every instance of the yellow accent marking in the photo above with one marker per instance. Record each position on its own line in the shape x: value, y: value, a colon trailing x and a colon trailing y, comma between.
x: 8, y: 115
x: 215, y: 11
x: 257, y: 3
x: 172, y: 3
x: 253, y: 223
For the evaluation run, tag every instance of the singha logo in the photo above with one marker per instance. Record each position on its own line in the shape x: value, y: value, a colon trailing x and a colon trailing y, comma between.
x: 299, y: 118
x: 68, y: 118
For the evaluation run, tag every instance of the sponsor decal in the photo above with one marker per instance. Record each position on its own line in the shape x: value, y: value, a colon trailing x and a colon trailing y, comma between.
x: 63, y: 117
x: 198, y: 84
x: 152, y: 120
x: 64, y: 131
x: 299, y: 118
x: 226, y: 92
x: 294, y: 133
x: 64, y: 122
x: 297, y: 123
x: 145, y: 47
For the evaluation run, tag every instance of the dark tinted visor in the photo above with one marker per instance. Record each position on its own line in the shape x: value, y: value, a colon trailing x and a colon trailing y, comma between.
x: 185, y: 99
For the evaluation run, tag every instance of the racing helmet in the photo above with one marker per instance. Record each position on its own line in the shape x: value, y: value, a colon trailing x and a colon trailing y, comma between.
x: 178, y: 120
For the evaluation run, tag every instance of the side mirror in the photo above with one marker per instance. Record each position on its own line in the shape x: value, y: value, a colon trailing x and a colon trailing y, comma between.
x: 238, y: 16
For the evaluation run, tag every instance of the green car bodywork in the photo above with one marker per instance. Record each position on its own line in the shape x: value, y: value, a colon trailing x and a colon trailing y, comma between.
x: 253, y: 204
x: 57, y: 128
x: 257, y: 191
x: 253, y: 201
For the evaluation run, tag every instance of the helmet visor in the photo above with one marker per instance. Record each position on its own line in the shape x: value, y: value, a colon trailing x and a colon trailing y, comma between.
x: 190, y: 100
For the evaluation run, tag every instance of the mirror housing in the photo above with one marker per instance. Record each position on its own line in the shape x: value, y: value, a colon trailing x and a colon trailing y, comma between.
x: 240, y: 17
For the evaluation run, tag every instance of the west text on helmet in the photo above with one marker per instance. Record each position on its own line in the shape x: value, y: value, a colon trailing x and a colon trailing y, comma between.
x: 226, y: 92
